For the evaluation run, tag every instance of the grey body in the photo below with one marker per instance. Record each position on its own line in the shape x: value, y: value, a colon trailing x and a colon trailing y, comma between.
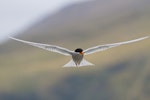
x: 77, y: 58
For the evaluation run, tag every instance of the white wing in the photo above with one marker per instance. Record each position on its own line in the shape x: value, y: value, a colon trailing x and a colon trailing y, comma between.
x: 52, y: 48
x: 107, y: 46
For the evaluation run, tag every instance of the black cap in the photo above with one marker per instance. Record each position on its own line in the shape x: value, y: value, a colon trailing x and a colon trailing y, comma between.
x: 78, y: 50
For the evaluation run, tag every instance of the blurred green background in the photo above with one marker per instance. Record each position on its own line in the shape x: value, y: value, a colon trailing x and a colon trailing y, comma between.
x: 121, y: 73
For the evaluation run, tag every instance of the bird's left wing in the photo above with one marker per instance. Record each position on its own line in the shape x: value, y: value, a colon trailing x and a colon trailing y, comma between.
x: 52, y: 48
x: 107, y: 46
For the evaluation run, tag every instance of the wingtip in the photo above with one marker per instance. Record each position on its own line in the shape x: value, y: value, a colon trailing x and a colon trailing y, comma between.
x: 10, y: 37
x: 146, y: 37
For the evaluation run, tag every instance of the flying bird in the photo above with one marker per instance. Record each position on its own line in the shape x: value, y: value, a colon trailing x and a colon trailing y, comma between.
x: 78, y: 54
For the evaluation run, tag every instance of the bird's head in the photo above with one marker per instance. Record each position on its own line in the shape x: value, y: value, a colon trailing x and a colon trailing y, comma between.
x: 79, y: 50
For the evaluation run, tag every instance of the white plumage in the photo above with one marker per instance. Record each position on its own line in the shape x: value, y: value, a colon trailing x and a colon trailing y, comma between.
x: 78, y: 54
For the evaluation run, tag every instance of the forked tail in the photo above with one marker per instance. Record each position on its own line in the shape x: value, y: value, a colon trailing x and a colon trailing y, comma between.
x: 71, y: 63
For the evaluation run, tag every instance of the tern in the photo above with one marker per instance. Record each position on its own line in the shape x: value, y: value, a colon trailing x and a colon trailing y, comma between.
x: 78, y: 54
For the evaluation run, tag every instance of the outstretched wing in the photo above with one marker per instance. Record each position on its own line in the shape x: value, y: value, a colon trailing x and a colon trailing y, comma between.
x: 107, y: 46
x: 52, y: 48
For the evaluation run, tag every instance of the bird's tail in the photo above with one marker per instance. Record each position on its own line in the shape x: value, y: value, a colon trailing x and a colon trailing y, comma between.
x: 71, y: 63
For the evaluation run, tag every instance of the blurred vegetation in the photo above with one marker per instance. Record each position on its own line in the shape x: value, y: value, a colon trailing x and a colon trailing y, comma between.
x: 121, y: 73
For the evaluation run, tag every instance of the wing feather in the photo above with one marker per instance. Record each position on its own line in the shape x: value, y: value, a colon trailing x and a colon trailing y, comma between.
x: 52, y: 48
x: 107, y: 46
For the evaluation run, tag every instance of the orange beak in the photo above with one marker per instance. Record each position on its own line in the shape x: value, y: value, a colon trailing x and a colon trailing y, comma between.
x: 81, y: 53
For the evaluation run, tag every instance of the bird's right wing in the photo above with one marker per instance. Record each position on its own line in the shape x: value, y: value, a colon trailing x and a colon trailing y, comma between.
x: 107, y: 46
x: 52, y: 48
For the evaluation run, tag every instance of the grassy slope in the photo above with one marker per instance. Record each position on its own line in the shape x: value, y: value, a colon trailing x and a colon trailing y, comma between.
x: 120, y: 73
